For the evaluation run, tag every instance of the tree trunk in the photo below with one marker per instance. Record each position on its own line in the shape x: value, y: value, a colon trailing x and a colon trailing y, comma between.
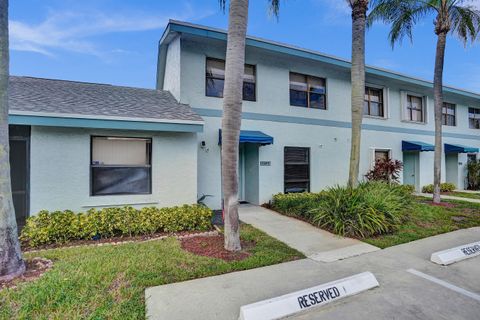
x: 232, y: 117
x: 11, y: 262
x: 438, y: 105
x: 359, y: 14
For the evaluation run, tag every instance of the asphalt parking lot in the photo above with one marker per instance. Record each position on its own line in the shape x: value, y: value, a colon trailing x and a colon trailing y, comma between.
x: 411, y: 286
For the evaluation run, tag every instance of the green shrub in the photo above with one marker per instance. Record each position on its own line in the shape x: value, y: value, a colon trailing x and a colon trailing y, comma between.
x: 296, y: 204
x: 372, y: 208
x: 63, y: 226
x: 444, y: 187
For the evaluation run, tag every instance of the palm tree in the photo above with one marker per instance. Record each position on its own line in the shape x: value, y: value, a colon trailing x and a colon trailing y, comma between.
x: 451, y: 16
x: 359, y: 19
x: 232, y: 114
x: 11, y: 262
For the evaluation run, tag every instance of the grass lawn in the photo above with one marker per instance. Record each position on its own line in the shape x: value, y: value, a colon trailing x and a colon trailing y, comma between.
x: 426, y: 220
x: 108, y: 282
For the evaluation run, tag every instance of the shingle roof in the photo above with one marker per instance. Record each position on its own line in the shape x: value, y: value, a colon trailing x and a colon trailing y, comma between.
x: 36, y: 95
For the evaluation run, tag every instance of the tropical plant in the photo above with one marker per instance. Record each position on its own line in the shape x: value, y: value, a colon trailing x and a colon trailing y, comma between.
x: 370, y: 209
x: 232, y: 114
x: 11, y: 261
x: 386, y: 170
x: 359, y: 18
x: 296, y: 204
x: 457, y: 17
x: 473, y: 174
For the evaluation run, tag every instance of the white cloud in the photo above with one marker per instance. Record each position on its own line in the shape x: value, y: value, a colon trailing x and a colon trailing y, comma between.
x: 335, y: 12
x: 74, y: 31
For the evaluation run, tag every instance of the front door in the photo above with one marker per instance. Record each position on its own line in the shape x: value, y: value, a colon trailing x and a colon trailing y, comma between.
x: 19, y: 171
x: 410, y: 163
x: 451, y: 168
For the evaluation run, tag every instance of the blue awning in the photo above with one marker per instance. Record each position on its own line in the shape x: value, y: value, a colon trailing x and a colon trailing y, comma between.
x: 455, y: 148
x: 247, y: 136
x: 416, y: 146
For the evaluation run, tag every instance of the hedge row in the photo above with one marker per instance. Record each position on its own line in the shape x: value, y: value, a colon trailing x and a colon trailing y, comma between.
x: 372, y: 208
x: 444, y: 187
x: 63, y: 226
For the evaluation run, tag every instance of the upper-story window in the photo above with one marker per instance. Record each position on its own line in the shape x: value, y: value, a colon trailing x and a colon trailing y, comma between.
x: 414, y: 108
x: 449, y: 114
x: 215, y: 80
x: 307, y: 91
x: 374, y: 103
x: 474, y: 118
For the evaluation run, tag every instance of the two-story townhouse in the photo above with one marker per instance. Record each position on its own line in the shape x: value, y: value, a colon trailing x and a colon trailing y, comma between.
x: 296, y: 116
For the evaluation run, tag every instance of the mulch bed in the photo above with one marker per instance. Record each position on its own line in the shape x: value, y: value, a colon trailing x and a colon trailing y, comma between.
x: 113, y: 240
x: 35, y: 268
x: 213, y: 247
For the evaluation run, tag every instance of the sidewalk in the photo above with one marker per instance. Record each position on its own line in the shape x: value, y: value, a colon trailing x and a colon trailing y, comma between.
x: 429, y: 195
x: 313, y: 242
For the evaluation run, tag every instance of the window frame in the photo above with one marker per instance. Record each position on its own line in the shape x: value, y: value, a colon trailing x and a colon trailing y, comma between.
x: 384, y: 91
x: 445, y: 115
x: 477, y: 111
x: 243, y: 82
x: 309, y: 180
x: 374, y: 152
x: 405, y: 95
x: 307, y: 77
x: 91, y: 165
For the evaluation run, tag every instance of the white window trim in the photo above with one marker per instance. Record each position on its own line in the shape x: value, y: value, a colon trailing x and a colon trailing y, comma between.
x: 386, y: 98
x: 372, y: 154
x: 424, y: 98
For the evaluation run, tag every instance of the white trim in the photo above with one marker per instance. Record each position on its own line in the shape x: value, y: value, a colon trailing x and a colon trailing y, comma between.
x: 100, y: 117
x: 372, y: 154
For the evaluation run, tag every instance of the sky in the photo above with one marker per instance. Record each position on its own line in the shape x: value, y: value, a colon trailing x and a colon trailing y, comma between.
x: 115, y: 41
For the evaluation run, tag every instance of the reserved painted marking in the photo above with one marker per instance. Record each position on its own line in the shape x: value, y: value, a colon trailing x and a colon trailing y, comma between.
x: 294, y: 302
x: 445, y: 284
x: 456, y: 254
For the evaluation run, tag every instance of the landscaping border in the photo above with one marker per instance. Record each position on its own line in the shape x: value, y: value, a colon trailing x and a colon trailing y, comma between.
x: 210, y: 233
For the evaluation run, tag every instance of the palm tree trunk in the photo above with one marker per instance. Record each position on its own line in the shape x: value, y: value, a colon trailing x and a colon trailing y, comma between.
x: 438, y: 105
x: 232, y: 117
x: 359, y: 14
x: 11, y: 262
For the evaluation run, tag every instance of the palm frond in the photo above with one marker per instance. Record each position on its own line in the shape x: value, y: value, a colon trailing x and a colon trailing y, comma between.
x: 401, y: 14
x: 274, y: 7
x: 223, y: 4
x: 465, y: 22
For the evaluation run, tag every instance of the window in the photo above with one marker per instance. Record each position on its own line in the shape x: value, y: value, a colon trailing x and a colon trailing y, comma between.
x: 449, y: 114
x: 297, y: 169
x: 120, y: 166
x: 415, y: 109
x: 474, y: 118
x: 215, y: 80
x: 382, y: 155
x: 307, y: 91
x: 373, y: 104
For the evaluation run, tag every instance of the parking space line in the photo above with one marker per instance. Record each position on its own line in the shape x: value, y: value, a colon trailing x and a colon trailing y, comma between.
x: 445, y: 284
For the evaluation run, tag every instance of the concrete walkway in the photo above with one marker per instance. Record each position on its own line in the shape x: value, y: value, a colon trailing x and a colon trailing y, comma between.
x: 401, y: 295
x: 313, y: 242
x: 446, y: 197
